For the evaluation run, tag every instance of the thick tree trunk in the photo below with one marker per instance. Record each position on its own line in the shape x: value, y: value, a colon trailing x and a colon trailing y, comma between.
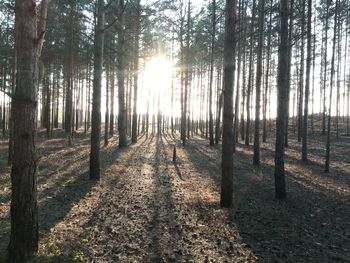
x: 227, y: 179
x: 96, y: 104
x: 282, y: 89
x: 24, y: 211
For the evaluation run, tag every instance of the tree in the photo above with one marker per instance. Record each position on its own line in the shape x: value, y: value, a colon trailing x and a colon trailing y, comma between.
x: 241, y: 33
x: 212, y: 48
x: 307, y: 84
x: 69, y: 71
x: 250, y: 76
x: 267, y: 74
x: 24, y: 211
x: 121, y: 74
x: 282, y: 88
x: 136, y: 69
x: 290, y: 46
x: 227, y: 180
x: 328, y: 140
x: 96, y: 96
x: 301, y: 77
x: 325, y: 67
x: 256, y: 157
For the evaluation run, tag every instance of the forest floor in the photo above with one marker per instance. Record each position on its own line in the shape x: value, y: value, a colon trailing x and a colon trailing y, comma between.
x: 148, y: 209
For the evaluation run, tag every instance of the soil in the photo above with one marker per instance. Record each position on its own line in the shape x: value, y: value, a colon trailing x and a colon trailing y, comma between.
x: 146, y: 208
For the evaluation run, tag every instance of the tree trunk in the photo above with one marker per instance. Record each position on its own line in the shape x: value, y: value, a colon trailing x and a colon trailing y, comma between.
x: 96, y: 97
x: 111, y: 115
x: 69, y: 87
x: 328, y: 140
x: 242, y: 31
x: 14, y: 72
x: 251, y: 55
x: 267, y: 75
x: 108, y: 79
x: 121, y: 73
x: 325, y: 71
x: 212, y: 48
x: 24, y: 210
x: 227, y: 180
x: 136, y: 69
x: 290, y: 47
x: 301, y: 78
x: 256, y: 157
x: 282, y: 89
x: 307, y: 84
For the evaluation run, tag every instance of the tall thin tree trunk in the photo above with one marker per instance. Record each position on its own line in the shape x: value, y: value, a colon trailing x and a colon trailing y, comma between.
x: 69, y: 87
x: 307, y: 84
x: 256, y: 157
x: 268, y: 57
x: 250, y: 77
x: 136, y: 69
x: 301, y: 78
x: 212, y: 48
x: 325, y: 70
x: 328, y: 141
x: 290, y: 47
x: 242, y: 32
x: 121, y: 73
x: 108, y: 79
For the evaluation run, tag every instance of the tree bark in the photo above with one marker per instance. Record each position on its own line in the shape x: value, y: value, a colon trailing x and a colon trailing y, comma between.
x: 96, y: 97
x: 307, y: 84
x: 227, y: 179
x: 290, y: 47
x: 328, y: 140
x: 250, y: 77
x: 325, y: 70
x: 212, y: 48
x: 121, y: 74
x: 256, y: 157
x: 282, y: 89
x: 301, y: 78
x: 69, y: 88
x: 136, y: 69
x: 24, y: 210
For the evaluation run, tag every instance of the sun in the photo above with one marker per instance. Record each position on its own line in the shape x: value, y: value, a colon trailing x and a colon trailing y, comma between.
x: 157, y: 83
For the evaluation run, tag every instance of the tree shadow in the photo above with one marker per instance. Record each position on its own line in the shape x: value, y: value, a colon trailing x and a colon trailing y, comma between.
x: 311, y: 225
x: 165, y: 231
x: 93, y: 212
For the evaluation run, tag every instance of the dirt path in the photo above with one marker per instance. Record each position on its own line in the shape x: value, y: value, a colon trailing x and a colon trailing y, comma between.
x: 148, y: 209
